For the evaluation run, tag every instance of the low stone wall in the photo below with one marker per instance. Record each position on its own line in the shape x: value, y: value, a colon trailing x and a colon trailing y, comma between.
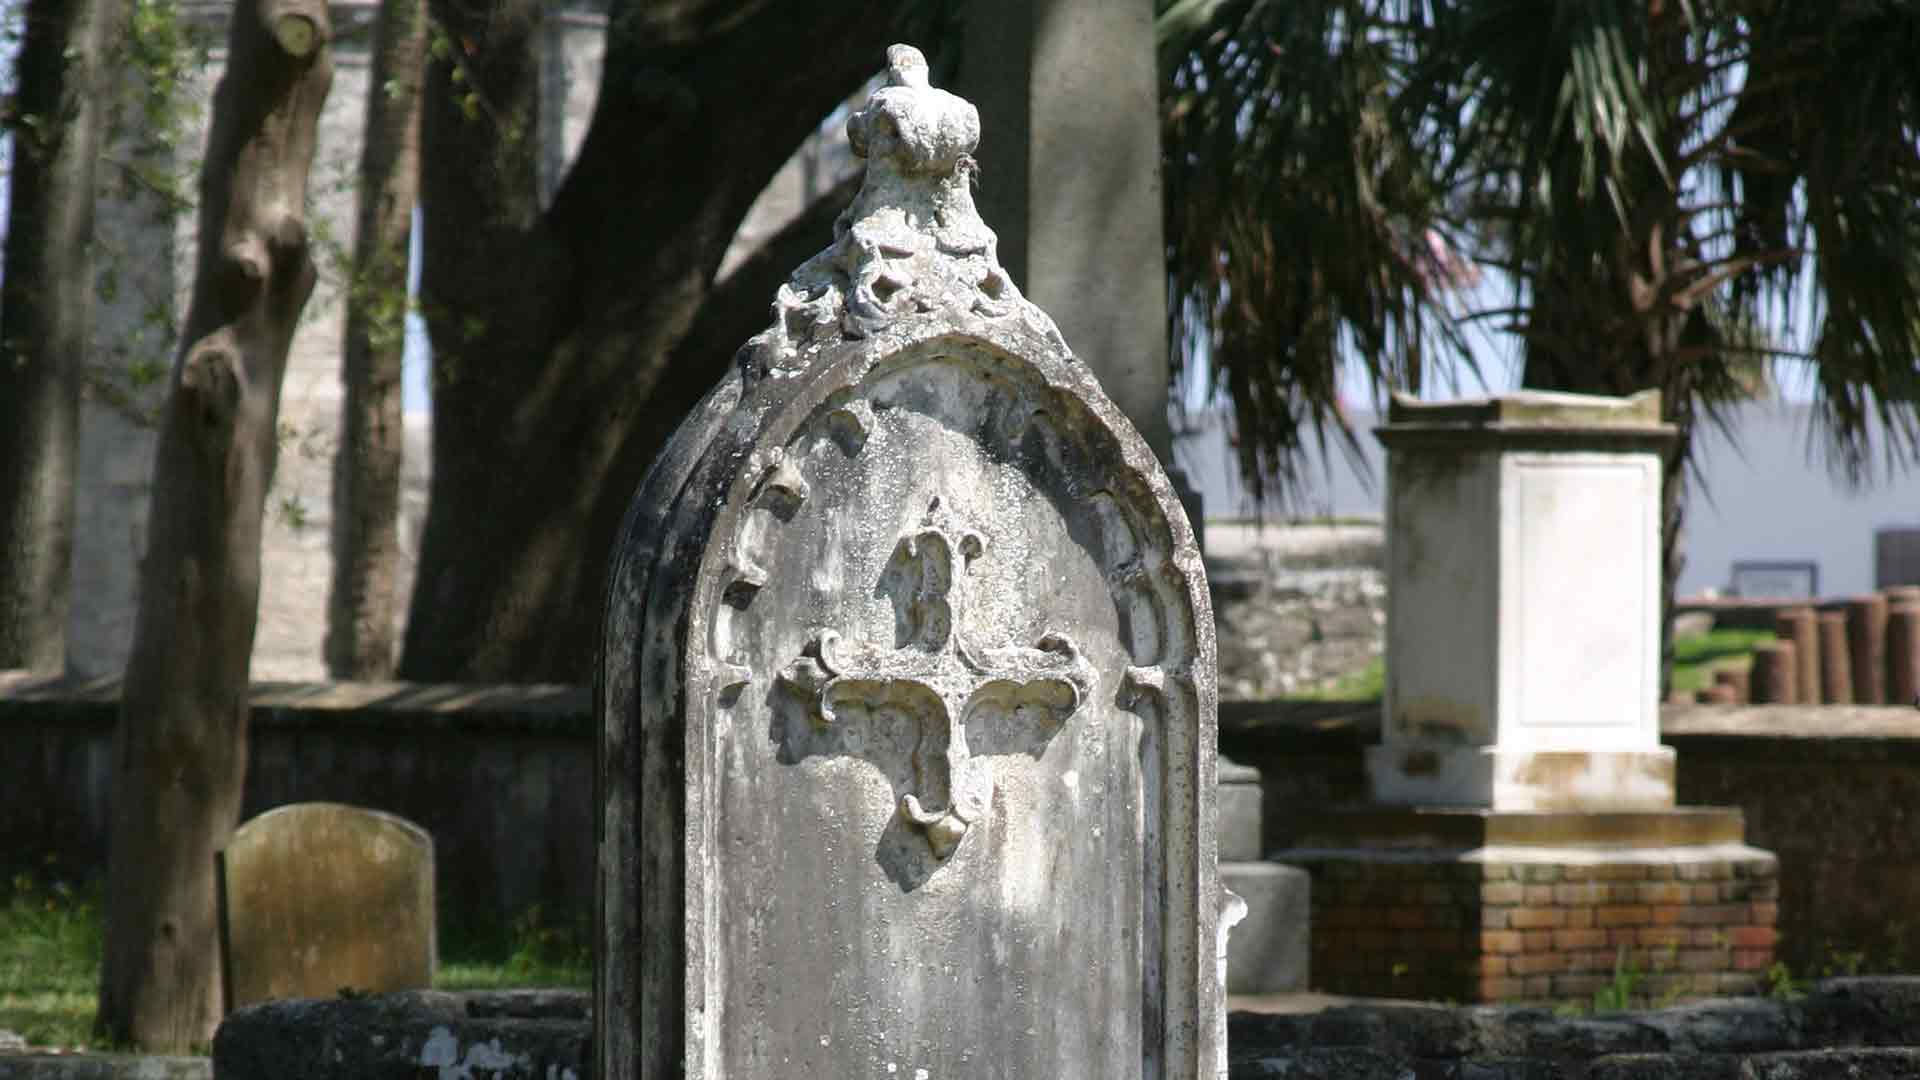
x: 1862, y: 1028
x: 1835, y: 793
x: 501, y: 776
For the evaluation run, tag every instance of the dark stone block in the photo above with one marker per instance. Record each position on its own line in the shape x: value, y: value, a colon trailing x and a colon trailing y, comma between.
x: 1354, y: 1063
x: 1736, y: 1026
x: 1877, y: 1011
x: 1666, y: 1067
x: 1259, y: 1034
x: 102, y: 1067
x: 402, y: 1037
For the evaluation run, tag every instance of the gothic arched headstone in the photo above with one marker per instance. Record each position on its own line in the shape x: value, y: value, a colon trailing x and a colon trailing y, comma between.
x: 907, y: 686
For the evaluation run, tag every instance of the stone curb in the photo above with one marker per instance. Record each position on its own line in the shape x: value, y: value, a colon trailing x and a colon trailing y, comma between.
x: 103, y: 1067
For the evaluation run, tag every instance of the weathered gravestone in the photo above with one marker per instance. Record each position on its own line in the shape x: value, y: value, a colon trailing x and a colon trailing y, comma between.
x: 319, y: 897
x: 907, y: 688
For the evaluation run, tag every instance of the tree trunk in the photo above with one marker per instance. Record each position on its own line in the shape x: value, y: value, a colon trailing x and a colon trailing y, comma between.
x: 57, y: 119
x: 556, y: 381
x: 180, y: 749
x: 366, y: 481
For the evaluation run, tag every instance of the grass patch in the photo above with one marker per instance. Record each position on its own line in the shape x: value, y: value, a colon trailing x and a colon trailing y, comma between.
x: 1697, y: 656
x: 533, y: 950
x: 1368, y: 683
x: 50, y: 946
x: 50, y: 938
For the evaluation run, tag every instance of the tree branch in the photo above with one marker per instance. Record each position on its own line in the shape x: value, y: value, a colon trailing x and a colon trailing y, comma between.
x: 737, y: 306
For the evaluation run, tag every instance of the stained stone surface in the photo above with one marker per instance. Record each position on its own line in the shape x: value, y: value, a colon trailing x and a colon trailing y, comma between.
x: 321, y: 897
x: 907, y: 686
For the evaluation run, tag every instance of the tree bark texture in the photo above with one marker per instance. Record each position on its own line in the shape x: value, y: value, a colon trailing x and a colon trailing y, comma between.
x: 363, y: 604
x: 180, y: 747
x: 564, y: 351
x: 58, y: 120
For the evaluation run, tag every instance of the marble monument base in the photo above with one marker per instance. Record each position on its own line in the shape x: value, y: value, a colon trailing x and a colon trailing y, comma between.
x: 1412, y: 774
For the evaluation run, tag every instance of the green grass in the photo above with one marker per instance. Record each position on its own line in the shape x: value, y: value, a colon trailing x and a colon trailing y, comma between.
x: 1367, y: 683
x: 1697, y: 656
x: 50, y: 941
x: 49, y: 961
x: 531, y: 951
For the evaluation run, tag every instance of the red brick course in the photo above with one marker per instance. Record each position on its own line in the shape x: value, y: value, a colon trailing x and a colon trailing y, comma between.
x: 1444, y: 927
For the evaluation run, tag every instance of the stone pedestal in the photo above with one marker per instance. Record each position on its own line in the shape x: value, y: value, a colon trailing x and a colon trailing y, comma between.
x: 1547, y: 857
x: 1271, y: 943
x: 1523, y: 640
x: 1487, y: 906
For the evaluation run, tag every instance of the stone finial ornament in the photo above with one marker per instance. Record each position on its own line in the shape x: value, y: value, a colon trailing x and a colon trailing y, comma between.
x: 911, y: 243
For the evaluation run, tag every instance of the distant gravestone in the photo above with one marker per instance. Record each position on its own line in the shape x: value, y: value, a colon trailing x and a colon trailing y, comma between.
x: 1793, y: 579
x: 907, y: 686
x: 320, y: 897
x: 1896, y: 557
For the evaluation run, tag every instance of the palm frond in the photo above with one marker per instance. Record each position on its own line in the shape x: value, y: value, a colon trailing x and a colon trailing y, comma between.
x: 1301, y: 223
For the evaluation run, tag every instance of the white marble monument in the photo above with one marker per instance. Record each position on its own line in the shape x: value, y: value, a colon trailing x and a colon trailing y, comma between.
x: 1523, y: 622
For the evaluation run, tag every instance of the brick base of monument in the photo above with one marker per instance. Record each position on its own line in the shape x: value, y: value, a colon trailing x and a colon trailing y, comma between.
x: 1538, y: 907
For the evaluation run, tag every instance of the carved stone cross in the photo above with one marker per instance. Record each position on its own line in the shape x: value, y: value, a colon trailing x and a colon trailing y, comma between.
x: 936, y: 677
